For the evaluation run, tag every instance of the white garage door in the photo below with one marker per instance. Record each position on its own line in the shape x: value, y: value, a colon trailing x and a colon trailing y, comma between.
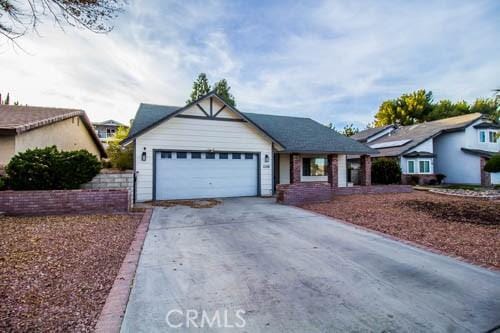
x: 191, y: 175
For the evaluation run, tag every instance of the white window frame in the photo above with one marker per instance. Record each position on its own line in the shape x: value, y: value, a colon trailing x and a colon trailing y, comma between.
x: 408, y: 166
x: 485, y: 136
x: 424, y: 160
x: 494, y: 136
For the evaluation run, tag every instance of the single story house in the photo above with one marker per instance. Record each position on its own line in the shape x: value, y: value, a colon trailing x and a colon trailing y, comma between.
x: 457, y: 147
x: 28, y: 127
x: 210, y: 149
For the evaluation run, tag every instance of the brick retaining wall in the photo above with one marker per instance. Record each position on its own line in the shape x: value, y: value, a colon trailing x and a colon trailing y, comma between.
x: 299, y: 193
x: 64, y: 202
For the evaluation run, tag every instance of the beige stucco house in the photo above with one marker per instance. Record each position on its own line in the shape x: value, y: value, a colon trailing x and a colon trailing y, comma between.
x: 27, y: 127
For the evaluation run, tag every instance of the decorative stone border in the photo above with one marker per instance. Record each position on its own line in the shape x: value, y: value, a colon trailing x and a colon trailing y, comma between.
x: 112, y: 313
x: 468, y: 194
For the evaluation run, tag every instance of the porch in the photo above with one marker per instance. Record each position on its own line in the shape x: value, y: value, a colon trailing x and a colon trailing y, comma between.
x: 300, y: 178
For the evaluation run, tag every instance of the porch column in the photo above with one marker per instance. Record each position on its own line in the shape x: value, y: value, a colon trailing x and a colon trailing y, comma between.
x: 365, y: 172
x: 295, y: 167
x: 333, y: 170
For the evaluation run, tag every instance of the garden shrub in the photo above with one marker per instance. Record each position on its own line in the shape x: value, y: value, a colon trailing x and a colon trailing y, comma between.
x: 50, y: 169
x: 386, y: 171
x: 120, y: 157
x: 493, y: 164
x: 2, y: 183
x: 440, y: 177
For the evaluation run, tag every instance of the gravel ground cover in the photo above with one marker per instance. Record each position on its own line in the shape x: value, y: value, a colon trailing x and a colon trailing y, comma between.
x: 464, y: 227
x: 56, y: 271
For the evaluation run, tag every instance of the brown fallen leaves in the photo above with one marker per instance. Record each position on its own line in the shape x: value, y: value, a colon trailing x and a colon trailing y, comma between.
x: 56, y: 271
x: 464, y: 227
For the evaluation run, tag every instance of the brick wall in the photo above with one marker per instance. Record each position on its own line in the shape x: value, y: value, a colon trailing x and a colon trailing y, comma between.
x: 485, y: 176
x: 299, y: 193
x: 423, y: 179
x: 64, y: 202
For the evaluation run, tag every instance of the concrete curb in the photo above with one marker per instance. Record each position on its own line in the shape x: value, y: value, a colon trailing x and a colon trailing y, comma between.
x: 112, y: 313
x: 407, y: 242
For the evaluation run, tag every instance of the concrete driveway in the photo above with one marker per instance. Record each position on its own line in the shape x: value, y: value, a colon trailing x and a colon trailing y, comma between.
x: 290, y: 270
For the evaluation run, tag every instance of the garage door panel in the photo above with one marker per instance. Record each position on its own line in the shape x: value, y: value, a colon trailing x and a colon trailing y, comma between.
x: 190, y: 178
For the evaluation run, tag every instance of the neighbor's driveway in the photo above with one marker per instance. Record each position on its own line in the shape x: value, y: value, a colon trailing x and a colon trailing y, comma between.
x: 295, y: 271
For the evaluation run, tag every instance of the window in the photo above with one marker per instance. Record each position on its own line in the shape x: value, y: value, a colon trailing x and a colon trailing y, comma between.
x: 195, y: 155
x: 166, y: 154
x: 492, y: 136
x: 236, y: 156
x: 411, y: 166
x: 424, y: 166
x: 223, y: 156
x: 314, y: 166
x: 248, y: 156
x: 181, y: 155
x: 482, y: 136
x: 210, y: 156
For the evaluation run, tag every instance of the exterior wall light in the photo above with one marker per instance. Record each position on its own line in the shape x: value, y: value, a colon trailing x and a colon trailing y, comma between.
x: 143, y: 155
x: 266, y: 158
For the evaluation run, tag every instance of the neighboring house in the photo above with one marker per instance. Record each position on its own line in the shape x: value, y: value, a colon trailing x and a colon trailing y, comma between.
x: 106, y: 129
x: 457, y: 147
x: 209, y: 149
x: 27, y: 127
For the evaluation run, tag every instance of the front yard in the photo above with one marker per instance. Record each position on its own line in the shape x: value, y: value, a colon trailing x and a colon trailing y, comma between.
x: 56, y: 271
x: 468, y: 228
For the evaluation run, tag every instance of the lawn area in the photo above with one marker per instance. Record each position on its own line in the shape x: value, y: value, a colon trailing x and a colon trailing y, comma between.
x: 465, y: 227
x: 56, y: 271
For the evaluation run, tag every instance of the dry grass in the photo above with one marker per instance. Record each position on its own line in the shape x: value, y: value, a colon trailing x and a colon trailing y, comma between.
x: 464, y: 227
x: 56, y: 271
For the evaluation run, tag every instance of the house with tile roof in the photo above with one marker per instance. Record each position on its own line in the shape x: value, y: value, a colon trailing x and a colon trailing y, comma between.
x: 28, y: 127
x: 457, y: 147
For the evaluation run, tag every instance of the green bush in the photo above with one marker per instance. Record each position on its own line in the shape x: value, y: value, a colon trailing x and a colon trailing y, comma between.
x: 2, y: 183
x: 440, y: 177
x: 493, y: 164
x: 50, y: 169
x: 386, y: 171
x: 120, y: 157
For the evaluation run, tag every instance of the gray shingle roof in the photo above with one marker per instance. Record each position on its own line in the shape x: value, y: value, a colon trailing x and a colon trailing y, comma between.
x: 419, y: 133
x: 293, y: 133
x: 302, y: 135
x: 362, y: 136
x: 148, y: 115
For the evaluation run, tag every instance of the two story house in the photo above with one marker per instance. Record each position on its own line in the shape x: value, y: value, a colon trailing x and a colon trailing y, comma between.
x: 457, y: 147
x: 106, y: 129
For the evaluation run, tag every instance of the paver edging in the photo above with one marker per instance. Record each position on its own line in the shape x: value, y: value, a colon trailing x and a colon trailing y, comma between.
x: 407, y: 242
x: 112, y: 313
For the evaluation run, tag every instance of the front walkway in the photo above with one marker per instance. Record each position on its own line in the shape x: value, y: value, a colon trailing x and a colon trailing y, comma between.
x: 291, y: 270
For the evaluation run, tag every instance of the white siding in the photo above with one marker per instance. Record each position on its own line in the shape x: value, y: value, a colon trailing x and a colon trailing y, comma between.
x: 495, y: 178
x: 199, y: 134
x: 342, y: 167
x: 471, y: 139
x: 451, y: 161
x: 426, y: 146
x: 284, y: 171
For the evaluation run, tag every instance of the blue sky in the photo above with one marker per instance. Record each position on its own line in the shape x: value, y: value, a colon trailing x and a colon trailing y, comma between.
x: 333, y: 61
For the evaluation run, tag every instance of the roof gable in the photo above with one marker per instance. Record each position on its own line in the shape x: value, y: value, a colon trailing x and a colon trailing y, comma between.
x: 422, y: 132
x: 16, y: 119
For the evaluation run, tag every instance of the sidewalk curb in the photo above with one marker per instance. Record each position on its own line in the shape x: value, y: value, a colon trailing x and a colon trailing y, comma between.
x: 112, y: 313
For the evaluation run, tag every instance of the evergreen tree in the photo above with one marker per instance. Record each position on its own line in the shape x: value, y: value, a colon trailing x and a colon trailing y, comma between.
x: 200, y: 87
x: 7, y: 100
x: 222, y: 89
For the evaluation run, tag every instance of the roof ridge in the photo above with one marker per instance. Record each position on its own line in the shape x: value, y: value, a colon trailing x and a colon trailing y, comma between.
x: 39, y: 107
x: 277, y: 115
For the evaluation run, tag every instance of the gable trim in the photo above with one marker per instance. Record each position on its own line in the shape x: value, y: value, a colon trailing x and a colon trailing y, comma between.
x: 210, y: 118
x: 177, y: 112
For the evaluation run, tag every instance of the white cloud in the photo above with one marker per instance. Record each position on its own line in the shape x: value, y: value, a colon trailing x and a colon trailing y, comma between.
x: 334, y: 62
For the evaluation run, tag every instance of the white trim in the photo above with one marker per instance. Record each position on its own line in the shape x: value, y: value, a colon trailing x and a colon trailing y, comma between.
x: 485, y: 136
x: 408, y: 166
x: 424, y: 160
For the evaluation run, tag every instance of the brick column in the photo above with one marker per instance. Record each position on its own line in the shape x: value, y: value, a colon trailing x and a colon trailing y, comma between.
x: 295, y: 168
x: 485, y: 176
x: 333, y: 170
x: 365, y: 172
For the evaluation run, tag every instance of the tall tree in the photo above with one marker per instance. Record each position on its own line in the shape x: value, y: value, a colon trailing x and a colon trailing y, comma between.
x: 222, y: 89
x: 200, y: 87
x: 94, y: 15
x: 120, y: 157
x: 489, y: 107
x: 407, y: 109
x: 349, y: 130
